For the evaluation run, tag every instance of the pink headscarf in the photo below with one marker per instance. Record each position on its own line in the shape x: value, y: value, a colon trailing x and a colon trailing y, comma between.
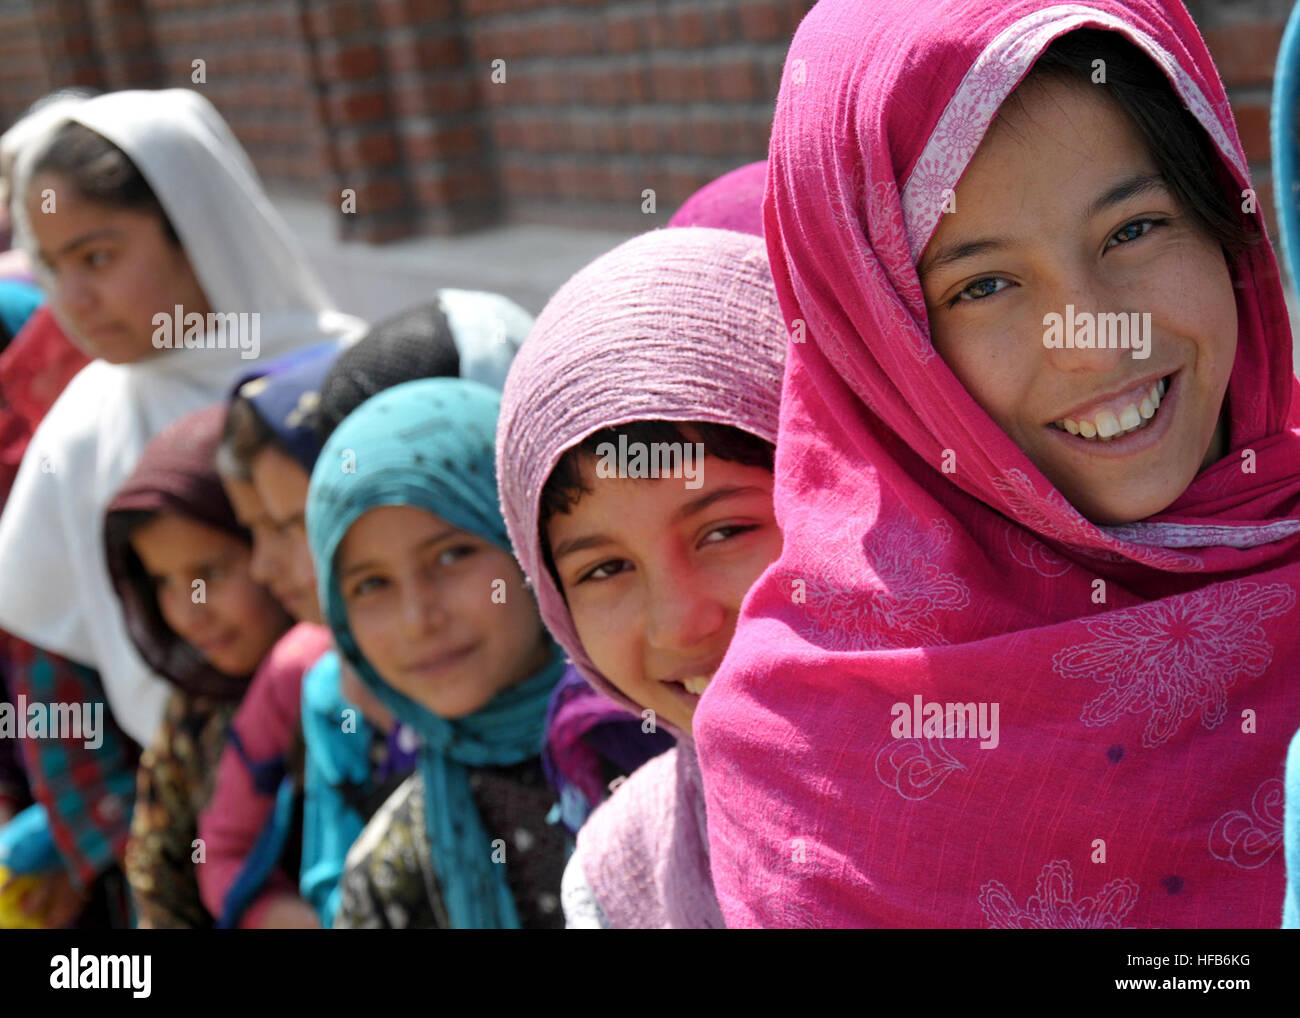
x: 673, y: 325
x: 1123, y: 735
x: 732, y: 202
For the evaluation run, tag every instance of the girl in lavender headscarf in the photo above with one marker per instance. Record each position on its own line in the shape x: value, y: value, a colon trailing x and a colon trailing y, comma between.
x: 672, y: 345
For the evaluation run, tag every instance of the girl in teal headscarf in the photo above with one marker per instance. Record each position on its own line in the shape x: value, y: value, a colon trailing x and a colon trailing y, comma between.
x: 425, y: 600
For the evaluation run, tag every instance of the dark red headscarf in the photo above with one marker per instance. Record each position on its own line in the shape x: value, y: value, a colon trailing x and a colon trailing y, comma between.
x: 175, y: 474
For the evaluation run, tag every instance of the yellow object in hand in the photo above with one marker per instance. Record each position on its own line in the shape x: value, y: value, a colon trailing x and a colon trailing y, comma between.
x: 12, y: 891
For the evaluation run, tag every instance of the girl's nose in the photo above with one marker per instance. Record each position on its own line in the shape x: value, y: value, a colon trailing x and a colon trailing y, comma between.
x: 188, y: 607
x: 421, y: 609
x: 259, y: 560
x: 682, y: 612
x: 75, y: 293
x: 1085, y: 328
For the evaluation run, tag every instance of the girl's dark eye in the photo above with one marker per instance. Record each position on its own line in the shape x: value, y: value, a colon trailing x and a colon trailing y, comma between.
x: 367, y: 585
x: 979, y: 289
x: 729, y: 532
x: 96, y: 259
x: 604, y: 571
x: 1134, y: 230
x: 454, y: 554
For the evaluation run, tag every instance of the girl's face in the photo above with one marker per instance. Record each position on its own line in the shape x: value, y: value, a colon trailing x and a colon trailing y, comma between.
x: 442, y: 615
x: 229, y: 618
x: 271, y: 553
x: 113, y: 269
x: 1061, y: 212
x: 282, y: 488
x: 654, y: 574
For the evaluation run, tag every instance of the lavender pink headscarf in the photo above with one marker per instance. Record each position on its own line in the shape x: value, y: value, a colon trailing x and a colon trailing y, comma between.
x: 1123, y: 727
x: 674, y: 325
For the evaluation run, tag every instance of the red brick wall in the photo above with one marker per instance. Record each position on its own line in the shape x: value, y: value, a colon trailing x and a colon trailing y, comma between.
x: 1243, y: 37
x: 602, y: 99
x: 605, y: 100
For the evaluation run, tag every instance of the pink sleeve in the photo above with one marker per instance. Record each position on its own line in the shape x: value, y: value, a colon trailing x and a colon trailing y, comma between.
x: 266, y: 723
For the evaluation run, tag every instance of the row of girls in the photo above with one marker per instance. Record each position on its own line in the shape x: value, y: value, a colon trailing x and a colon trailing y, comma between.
x: 401, y: 652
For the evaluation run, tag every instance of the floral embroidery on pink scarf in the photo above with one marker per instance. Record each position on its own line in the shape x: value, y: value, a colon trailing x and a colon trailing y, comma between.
x: 1176, y: 657
x: 893, y: 263
x: 1053, y: 516
x: 916, y: 768
x: 1034, y: 554
x: 1052, y: 906
x: 850, y: 612
x: 1248, y: 840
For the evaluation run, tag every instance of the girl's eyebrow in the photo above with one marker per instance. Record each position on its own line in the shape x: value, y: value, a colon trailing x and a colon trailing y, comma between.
x: 196, y: 566
x: 1130, y: 187
x: 433, y: 539
x: 577, y: 544
x: 960, y: 250
x: 716, y: 495
x: 85, y: 238
x: 296, y: 519
x: 682, y: 512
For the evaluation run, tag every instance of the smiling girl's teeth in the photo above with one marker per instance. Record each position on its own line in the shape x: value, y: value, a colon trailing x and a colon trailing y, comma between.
x: 1105, y: 425
x: 696, y: 685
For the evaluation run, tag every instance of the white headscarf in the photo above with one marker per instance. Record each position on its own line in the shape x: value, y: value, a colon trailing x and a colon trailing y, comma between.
x: 30, y: 130
x: 55, y: 590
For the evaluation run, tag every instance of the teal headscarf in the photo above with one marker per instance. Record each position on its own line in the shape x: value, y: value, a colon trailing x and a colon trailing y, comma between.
x: 431, y: 444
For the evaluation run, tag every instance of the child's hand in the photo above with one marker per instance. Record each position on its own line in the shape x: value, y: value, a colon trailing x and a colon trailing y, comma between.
x: 46, y: 900
x: 289, y: 912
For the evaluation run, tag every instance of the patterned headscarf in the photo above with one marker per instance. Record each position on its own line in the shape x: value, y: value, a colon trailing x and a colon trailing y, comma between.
x: 1124, y: 729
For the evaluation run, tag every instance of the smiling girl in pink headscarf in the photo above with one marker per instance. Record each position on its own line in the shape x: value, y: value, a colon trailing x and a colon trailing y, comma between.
x: 1029, y: 655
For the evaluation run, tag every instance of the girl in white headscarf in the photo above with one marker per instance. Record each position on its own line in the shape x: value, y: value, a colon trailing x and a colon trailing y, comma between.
x: 165, y: 261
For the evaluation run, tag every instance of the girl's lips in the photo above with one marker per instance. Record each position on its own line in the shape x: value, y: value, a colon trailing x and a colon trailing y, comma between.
x: 1115, y: 403
x: 1129, y: 443
x: 216, y: 646
x: 442, y: 663
x: 688, y: 700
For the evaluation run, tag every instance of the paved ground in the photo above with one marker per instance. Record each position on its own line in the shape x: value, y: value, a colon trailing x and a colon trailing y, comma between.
x: 526, y: 263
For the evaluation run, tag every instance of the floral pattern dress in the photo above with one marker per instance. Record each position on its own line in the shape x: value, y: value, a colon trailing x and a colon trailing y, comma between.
x: 173, y: 784
x: 389, y: 880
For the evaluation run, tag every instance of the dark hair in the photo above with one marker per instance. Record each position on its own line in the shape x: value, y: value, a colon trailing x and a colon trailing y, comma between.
x: 101, y: 172
x: 564, y: 488
x: 1183, y: 152
x: 121, y: 524
x: 243, y: 436
x: 415, y: 343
